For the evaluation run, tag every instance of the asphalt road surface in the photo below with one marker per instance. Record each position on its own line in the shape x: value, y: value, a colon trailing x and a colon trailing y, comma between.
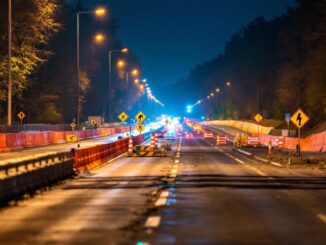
x: 200, y: 194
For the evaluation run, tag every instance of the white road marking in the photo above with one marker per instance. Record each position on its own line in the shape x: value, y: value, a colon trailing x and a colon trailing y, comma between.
x: 322, y: 217
x: 244, y: 152
x: 261, y: 159
x: 165, y: 194
x: 240, y: 161
x: 153, y: 221
x: 277, y: 164
x: 161, y: 201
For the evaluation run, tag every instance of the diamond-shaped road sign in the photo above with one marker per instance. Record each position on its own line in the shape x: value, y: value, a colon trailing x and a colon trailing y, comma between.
x: 21, y: 115
x: 258, y: 118
x: 140, y: 117
x: 140, y: 127
x: 299, y: 118
x: 73, y: 125
x: 123, y: 117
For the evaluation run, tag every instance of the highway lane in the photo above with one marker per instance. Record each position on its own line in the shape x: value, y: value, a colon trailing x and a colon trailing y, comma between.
x: 106, y: 206
x: 27, y: 153
x: 220, y: 197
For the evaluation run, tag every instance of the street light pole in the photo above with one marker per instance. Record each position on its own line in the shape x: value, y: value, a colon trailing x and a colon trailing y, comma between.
x: 99, y: 12
x: 125, y: 50
x: 9, y: 65
x: 78, y: 72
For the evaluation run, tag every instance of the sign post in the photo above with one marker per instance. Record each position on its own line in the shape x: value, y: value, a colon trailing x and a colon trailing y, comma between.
x: 299, y: 119
x: 258, y: 119
x: 287, y: 117
x: 21, y: 115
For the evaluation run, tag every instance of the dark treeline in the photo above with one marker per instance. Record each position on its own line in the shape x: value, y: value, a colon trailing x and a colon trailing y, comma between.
x: 274, y: 67
x: 45, y: 87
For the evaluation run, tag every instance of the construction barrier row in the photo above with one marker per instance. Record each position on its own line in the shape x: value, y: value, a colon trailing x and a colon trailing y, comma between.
x: 14, y: 141
x: 313, y: 143
x: 244, y: 126
x: 91, y: 157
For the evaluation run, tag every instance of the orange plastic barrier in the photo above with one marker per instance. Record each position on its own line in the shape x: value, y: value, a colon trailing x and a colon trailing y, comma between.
x: 15, y: 141
x: 57, y: 137
x: 28, y: 138
x: 3, y: 142
x: 89, y: 158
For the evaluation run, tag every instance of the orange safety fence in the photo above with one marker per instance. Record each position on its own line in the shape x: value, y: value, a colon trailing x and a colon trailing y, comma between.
x: 3, y: 142
x: 14, y: 141
x: 313, y: 143
x: 57, y: 137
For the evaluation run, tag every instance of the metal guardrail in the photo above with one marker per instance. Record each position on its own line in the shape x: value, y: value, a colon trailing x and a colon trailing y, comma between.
x: 17, y: 179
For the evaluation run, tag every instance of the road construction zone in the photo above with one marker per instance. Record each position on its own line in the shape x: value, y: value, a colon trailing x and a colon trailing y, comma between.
x: 154, y: 149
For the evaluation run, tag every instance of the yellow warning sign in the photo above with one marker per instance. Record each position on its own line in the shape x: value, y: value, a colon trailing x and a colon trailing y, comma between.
x: 93, y: 122
x: 140, y: 127
x: 123, y: 117
x: 21, y: 115
x: 140, y: 117
x: 258, y: 118
x: 299, y: 118
x: 73, y: 125
x: 71, y: 138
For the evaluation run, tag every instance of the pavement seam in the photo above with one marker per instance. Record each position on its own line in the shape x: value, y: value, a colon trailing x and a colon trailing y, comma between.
x: 239, y: 161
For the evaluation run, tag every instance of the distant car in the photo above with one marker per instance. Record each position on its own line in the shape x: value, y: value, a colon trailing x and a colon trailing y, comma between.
x: 208, y: 134
x: 189, y: 135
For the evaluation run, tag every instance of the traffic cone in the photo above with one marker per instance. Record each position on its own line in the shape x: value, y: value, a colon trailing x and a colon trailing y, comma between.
x: 156, y: 139
x: 270, y: 149
x: 152, y: 142
x: 130, y: 147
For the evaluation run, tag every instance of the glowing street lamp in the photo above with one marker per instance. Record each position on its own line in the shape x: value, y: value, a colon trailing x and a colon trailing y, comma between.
x: 99, y: 38
x: 100, y: 11
x: 121, y: 64
x: 123, y: 50
x: 134, y: 72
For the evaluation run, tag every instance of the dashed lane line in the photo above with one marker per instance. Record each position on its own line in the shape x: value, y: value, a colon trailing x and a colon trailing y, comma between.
x: 322, y: 217
x: 153, y: 221
x: 161, y: 201
x: 239, y: 161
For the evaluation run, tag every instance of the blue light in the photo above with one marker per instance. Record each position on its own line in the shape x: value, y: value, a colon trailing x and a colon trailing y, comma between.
x: 202, y: 118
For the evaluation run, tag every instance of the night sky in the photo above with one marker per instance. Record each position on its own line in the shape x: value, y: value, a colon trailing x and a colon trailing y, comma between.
x: 172, y: 36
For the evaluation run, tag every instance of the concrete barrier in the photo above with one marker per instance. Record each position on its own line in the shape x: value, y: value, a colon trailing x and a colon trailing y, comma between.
x: 28, y: 176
